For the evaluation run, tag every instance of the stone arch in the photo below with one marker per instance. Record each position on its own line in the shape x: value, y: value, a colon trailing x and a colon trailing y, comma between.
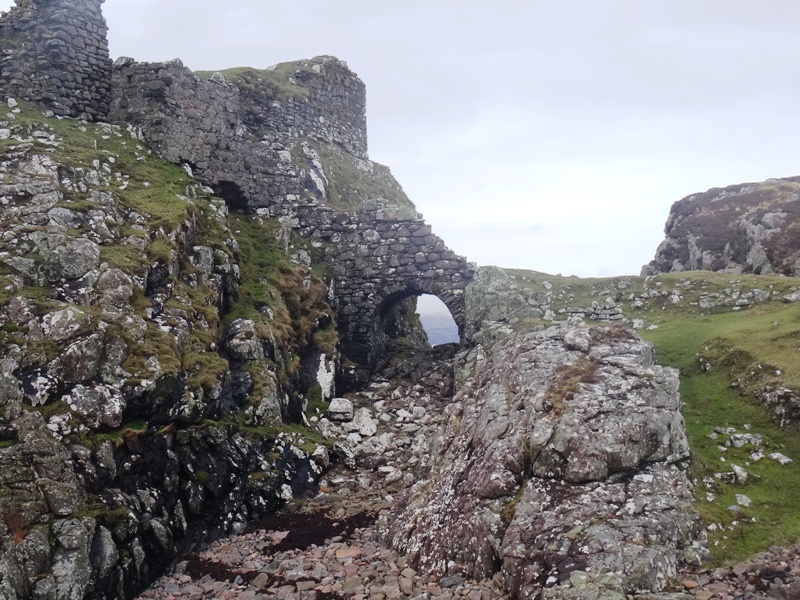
x: 375, y: 262
x: 398, y: 293
x: 363, y: 331
x: 233, y: 195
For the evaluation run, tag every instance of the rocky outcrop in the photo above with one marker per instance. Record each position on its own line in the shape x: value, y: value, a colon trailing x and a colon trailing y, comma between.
x: 563, y: 464
x: 132, y: 422
x: 747, y: 228
x: 56, y: 52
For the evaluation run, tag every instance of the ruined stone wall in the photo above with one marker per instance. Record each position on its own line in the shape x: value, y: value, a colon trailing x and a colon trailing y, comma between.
x: 186, y: 119
x: 319, y: 98
x: 252, y: 137
x: 239, y: 138
x: 55, y: 52
x: 378, y: 262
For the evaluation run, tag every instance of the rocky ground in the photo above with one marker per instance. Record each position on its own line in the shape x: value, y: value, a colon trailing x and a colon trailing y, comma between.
x: 332, y: 545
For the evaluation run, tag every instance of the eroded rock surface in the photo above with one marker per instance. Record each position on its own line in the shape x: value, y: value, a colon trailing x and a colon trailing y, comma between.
x: 562, y: 463
x: 746, y: 228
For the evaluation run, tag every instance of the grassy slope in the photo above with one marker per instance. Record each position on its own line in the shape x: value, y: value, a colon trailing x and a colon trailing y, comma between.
x: 159, y: 192
x: 764, y: 334
x: 711, y: 402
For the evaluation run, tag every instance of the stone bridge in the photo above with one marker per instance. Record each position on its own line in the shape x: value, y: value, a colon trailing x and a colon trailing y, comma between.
x: 378, y: 261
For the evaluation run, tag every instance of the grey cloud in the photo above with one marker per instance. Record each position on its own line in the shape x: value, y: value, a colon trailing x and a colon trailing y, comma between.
x: 643, y: 101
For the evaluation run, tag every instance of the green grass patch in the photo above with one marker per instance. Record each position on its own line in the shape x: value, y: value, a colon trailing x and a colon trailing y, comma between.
x: 126, y: 258
x: 49, y: 410
x: 157, y: 344
x: 153, y: 185
x: 203, y: 477
x: 94, y: 440
x: 315, y: 405
x: 204, y: 369
x: 108, y: 517
x: 272, y: 291
x: 353, y: 181
x: 711, y: 402
x: 274, y: 83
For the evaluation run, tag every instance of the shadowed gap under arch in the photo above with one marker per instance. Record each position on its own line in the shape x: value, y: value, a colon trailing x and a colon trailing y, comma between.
x: 398, y: 321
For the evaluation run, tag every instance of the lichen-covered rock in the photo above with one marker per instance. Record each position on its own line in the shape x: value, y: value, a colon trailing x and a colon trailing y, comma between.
x: 364, y: 422
x: 110, y: 366
x: 341, y: 409
x: 565, y: 451
x: 72, y: 569
x: 66, y: 323
x: 746, y: 228
x: 69, y: 259
x: 243, y: 342
x: 97, y: 405
x: 494, y: 296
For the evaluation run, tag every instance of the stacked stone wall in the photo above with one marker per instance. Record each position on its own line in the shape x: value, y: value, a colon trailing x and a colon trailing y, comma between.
x: 55, y: 52
x: 238, y: 138
x: 186, y: 119
x: 376, y: 263
x: 332, y: 107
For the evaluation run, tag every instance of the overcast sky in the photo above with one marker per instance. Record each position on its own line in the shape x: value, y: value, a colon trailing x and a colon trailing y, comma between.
x: 537, y: 134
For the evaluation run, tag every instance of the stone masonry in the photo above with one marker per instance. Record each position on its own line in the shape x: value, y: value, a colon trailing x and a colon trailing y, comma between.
x: 238, y: 140
x: 378, y: 262
x: 56, y: 52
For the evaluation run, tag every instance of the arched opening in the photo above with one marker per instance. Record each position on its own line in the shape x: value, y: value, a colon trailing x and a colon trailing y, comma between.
x: 369, y: 341
x: 415, y: 337
x: 232, y: 194
x: 413, y: 319
x: 438, y: 323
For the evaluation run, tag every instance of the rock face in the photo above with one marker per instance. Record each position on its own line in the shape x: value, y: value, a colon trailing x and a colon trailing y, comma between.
x: 55, y: 51
x: 151, y: 349
x: 132, y: 423
x: 747, y: 228
x: 562, y: 464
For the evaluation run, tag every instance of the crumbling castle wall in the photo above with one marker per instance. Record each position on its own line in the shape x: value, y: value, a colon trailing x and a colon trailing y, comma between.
x: 378, y: 260
x: 238, y: 138
x: 56, y: 52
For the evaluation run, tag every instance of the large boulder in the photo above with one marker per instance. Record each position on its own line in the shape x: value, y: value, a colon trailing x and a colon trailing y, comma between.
x: 564, y: 454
